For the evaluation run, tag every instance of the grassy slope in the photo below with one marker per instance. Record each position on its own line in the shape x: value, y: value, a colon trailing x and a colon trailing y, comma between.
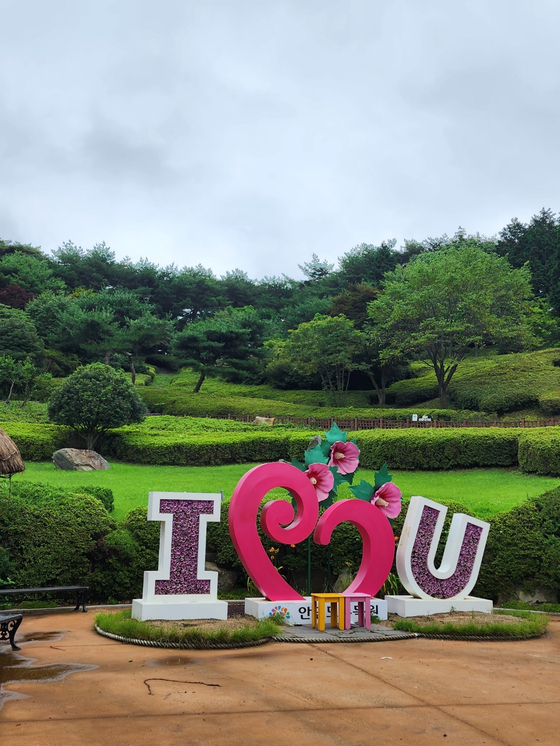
x: 485, y: 491
x: 490, y: 383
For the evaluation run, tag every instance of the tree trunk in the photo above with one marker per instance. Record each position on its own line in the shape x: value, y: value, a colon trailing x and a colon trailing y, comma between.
x: 132, y: 371
x: 10, y: 394
x: 107, y: 357
x: 379, y: 390
x: 199, y: 382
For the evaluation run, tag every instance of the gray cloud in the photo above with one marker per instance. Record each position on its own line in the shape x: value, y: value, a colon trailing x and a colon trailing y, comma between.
x: 253, y: 134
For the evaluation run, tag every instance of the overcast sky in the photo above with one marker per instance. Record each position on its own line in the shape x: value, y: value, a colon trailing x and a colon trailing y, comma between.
x: 252, y: 133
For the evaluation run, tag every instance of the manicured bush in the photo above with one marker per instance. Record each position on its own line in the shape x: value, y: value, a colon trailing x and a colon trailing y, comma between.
x: 95, y: 399
x: 50, y: 534
x: 437, y: 448
x: 208, y: 450
x: 36, y: 442
x: 105, y: 494
x: 549, y: 402
x: 539, y: 451
x: 413, y: 390
x: 493, y: 383
x: 523, y: 550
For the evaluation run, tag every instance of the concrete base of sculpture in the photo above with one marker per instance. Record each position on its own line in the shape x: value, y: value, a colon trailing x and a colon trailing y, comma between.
x: 409, y: 606
x: 299, y: 612
x: 173, y: 610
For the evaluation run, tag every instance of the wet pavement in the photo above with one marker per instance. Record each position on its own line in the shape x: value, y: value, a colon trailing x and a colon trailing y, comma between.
x: 87, y: 689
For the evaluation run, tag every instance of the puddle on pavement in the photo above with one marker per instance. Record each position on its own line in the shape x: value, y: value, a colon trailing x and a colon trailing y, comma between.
x: 170, y: 661
x: 15, y: 668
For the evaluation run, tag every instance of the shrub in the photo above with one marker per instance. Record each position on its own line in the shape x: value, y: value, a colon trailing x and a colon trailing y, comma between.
x: 437, y: 448
x: 36, y: 442
x: 207, y: 450
x: 50, y: 534
x: 539, y: 451
x: 523, y: 550
x: 94, y: 399
x: 105, y: 494
x: 413, y: 390
x: 549, y: 402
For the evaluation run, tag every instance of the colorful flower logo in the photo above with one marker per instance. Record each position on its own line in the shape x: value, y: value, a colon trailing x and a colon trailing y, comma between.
x: 281, y: 610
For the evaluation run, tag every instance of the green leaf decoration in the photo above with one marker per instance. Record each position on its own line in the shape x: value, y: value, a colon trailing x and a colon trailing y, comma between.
x: 340, y: 478
x: 315, y: 456
x: 328, y: 502
x: 298, y: 464
x: 363, y: 491
x: 382, y: 476
x: 326, y: 448
x: 334, y: 434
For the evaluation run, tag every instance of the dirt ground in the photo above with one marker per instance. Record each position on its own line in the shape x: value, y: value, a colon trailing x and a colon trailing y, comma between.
x: 71, y: 687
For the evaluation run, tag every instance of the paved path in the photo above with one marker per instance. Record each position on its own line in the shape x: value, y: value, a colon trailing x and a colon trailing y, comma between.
x: 416, y: 692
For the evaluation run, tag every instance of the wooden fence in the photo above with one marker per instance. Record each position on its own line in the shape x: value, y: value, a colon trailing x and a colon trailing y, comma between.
x: 358, y: 423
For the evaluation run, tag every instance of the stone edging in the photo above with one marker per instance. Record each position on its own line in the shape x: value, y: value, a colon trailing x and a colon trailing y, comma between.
x: 481, y: 638
x: 329, y: 639
x: 199, y: 645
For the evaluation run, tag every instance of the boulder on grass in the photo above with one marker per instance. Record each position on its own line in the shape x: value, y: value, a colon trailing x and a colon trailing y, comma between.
x: 74, y: 459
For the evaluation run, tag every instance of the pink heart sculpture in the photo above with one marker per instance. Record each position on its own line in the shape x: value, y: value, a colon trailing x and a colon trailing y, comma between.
x: 281, y: 524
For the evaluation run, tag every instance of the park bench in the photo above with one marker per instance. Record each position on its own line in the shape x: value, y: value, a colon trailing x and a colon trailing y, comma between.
x: 8, y: 628
x: 81, y: 592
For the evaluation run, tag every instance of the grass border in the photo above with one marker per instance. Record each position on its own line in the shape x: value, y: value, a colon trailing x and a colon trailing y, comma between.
x: 120, y: 626
x: 529, y: 627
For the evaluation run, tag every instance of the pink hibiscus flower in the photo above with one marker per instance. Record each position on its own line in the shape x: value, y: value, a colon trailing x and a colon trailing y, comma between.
x: 344, y: 456
x: 321, y: 478
x: 388, y: 499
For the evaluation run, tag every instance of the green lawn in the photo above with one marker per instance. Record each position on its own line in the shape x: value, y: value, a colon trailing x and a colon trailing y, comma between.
x: 485, y: 491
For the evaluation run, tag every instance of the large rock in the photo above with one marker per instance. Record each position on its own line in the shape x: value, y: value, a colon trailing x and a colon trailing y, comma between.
x: 74, y: 459
x: 226, y: 578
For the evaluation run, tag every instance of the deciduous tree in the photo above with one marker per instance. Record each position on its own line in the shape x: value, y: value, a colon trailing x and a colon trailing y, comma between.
x: 95, y: 399
x: 443, y: 304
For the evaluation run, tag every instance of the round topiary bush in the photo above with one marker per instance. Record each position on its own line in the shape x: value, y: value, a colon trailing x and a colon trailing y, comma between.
x: 95, y: 399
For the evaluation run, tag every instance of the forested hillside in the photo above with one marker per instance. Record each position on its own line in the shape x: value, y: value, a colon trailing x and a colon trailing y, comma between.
x: 401, y: 325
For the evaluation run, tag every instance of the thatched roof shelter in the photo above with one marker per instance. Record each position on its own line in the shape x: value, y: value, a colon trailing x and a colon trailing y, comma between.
x: 10, y: 457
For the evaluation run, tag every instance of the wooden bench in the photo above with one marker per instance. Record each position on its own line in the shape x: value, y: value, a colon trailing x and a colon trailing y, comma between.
x: 9, y: 624
x: 81, y: 592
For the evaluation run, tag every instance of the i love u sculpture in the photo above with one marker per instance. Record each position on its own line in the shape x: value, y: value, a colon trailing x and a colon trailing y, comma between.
x: 182, y: 588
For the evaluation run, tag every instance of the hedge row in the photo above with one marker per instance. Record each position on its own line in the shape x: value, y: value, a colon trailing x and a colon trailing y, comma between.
x: 496, y: 384
x: 50, y: 536
x: 178, y: 401
x: 539, y: 451
x: 535, y: 450
x: 212, y: 449
x: 437, y: 449
x: 37, y: 442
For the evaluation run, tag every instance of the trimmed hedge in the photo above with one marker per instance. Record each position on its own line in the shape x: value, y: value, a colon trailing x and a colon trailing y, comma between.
x: 539, y: 451
x: 493, y: 383
x: 53, y: 536
x: 438, y: 449
x: 523, y: 550
x: 207, y: 450
x: 178, y: 401
x: 50, y: 534
x: 36, y: 442
x: 549, y: 402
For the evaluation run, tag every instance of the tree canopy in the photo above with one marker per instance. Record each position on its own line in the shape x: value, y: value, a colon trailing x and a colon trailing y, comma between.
x: 443, y: 304
x: 94, y: 399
